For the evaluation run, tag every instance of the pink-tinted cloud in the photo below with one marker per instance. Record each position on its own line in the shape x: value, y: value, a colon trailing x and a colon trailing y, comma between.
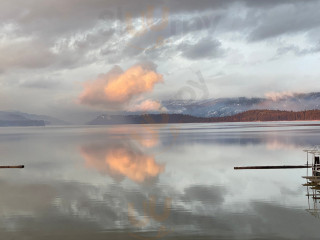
x: 275, y: 96
x: 146, y: 105
x: 119, y: 87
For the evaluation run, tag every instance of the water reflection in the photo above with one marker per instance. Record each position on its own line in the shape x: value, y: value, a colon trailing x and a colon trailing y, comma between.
x: 122, y: 160
x: 115, y: 182
x: 146, y: 136
x: 125, y: 155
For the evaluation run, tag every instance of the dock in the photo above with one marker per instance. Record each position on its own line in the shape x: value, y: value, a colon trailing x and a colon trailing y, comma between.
x: 273, y: 167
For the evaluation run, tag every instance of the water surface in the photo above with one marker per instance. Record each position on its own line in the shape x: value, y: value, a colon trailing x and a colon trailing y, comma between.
x: 156, y: 182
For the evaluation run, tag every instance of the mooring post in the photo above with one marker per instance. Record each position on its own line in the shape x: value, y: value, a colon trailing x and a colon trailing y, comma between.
x: 18, y: 166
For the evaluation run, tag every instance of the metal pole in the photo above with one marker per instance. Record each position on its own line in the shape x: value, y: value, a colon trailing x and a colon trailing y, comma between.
x: 307, y: 163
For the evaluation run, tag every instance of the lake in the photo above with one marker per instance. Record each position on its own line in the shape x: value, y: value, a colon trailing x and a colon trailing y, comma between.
x: 170, y: 181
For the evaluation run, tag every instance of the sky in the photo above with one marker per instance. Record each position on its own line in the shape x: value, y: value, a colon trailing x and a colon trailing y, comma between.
x: 73, y: 59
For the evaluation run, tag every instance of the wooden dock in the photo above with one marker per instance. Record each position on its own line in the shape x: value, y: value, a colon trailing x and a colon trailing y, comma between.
x: 273, y: 167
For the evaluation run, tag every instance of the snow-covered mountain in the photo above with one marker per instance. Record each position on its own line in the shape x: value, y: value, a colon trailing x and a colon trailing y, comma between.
x: 229, y: 106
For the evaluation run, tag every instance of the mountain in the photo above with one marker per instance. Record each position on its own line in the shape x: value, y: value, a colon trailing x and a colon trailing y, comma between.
x: 12, y: 118
x: 221, y: 107
x: 47, y: 119
x: 230, y: 106
x: 8, y: 119
x: 212, y: 107
x: 248, y: 116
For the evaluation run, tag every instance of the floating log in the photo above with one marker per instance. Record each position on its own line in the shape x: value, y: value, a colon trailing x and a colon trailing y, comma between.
x: 272, y: 167
x: 18, y: 166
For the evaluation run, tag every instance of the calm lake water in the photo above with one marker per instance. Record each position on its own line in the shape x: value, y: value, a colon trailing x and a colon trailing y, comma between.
x: 156, y: 182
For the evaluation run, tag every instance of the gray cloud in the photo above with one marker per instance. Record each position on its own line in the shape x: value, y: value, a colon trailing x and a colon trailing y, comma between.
x: 23, y: 54
x: 204, y: 48
x: 192, y: 6
x: 288, y: 19
x: 298, y: 51
x: 44, y: 83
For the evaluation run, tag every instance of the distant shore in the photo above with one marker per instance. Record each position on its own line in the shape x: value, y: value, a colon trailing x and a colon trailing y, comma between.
x: 248, y: 116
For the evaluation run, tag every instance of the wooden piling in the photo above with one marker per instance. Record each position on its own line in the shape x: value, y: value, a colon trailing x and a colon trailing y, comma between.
x: 18, y: 166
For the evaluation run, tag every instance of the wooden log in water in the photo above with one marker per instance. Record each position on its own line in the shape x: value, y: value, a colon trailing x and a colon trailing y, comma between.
x: 272, y: 167
x: 18, y: 166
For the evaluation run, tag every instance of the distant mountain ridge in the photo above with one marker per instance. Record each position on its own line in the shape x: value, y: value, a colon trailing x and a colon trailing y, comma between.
x: 13, y: 118
x: 248, y: 116
x: 222, y: 107
x: 47, y: 119
x: 8, y: 119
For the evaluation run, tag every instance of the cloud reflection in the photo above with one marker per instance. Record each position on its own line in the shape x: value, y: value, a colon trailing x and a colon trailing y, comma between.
x: 136, y: 166
x: 124, y: 159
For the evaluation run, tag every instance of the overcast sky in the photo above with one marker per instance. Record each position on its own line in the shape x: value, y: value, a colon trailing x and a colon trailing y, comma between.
x: 50, y: 49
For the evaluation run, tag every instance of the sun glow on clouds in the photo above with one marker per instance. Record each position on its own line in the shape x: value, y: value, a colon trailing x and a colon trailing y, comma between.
x: 117, y: 88
x: 133, y: 82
